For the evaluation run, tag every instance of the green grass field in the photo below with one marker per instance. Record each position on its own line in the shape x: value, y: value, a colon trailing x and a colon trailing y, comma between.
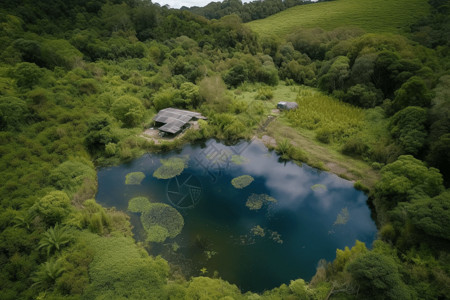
x: 370, y: 15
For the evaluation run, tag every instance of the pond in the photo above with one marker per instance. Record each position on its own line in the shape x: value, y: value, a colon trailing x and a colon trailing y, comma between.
x: 249, y: 217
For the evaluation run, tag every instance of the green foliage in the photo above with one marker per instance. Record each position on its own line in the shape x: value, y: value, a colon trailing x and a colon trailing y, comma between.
x: 190, y: 94
x: 363, y: 96
x: 414, y: 92
x: 71, y: 175
x: 47, y: 273
x: 59, y: 53
x: 53, y: 208
x: 332, y: 120
x: 139, y: 204
x: 55, y: 238
x: 207, y: 288
x: 166, y: 98
x: 405, y: 178
x: 369, y: 15
x: 129, y: 110
x: 336, y: 74
x: 161, y: 221
x: 408, y: 128
x: 27, y: 75
x: 343, y: 257
x: 134, y: 178
x: 256, y: 201
x: 13, y: 113
x: 429, y: 215
x: 95, y: 218
x: 120, y: 269
x: 378, y: 277
x: 242, y: 181
x: 171, y: 167
x: 264, y: 93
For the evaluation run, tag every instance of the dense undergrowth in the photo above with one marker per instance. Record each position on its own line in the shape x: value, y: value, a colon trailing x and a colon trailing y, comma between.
x: 79, y: 82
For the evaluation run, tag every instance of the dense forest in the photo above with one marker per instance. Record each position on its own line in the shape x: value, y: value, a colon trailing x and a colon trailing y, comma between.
x: 80, y: 80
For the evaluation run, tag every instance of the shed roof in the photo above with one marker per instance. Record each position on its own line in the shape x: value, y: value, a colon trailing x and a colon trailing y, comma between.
x: 174, y: 119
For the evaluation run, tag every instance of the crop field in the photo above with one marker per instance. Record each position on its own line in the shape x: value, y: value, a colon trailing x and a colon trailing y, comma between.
x: 324, y: 114
x: 370, y: 15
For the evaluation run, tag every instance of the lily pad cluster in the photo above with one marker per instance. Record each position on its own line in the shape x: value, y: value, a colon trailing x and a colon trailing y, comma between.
x: 160, y: 221
x: 171, y: 167
x: 134, y: 178
x: 256, y: 201
x: 139, y: 204
x: 242, y: 181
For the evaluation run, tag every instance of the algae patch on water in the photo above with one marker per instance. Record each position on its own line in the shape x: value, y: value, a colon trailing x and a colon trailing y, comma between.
x: 319, y: 187
x: 239, y: 160
x: 139, y: 204
x: 134, y: 178
x: 242, y: 181
x: 256, y: 201
x: 258, y: 230
x: 161, y: 221
x: 342, y: 217
x: 171, y: 167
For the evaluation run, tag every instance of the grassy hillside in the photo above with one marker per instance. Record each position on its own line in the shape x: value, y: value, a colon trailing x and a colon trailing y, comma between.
x: 370, y: 15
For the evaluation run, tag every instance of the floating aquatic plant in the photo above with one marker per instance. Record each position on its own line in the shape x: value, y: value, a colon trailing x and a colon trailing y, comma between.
x: 319, y: 187
x: 164, y: 216
x: 342, y: 217
x: 170, y: 167
x: 139, y: 204
x: 134, y: 178
x: 256, y: 201
x: 242, y: 181
x: 276, y: 237
x: 157, y: 234
x: 239, y: 160
x: 258, y: 230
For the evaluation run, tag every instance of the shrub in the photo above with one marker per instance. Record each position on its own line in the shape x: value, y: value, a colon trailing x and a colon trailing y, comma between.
x: 264, y: 93
x: 129, y: 110
x: 354, y: 146
x: 52, y: 208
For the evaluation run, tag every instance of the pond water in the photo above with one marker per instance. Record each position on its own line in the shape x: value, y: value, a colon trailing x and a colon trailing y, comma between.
x: 259, y: 236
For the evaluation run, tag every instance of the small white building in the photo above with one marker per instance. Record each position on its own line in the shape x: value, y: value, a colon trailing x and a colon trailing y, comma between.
x: 282, y: 105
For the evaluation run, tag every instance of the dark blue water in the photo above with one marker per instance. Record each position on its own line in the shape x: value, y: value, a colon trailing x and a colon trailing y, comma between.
x: 217, y: 238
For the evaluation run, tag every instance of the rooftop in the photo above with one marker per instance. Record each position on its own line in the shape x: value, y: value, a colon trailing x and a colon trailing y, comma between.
x: 174, y: 119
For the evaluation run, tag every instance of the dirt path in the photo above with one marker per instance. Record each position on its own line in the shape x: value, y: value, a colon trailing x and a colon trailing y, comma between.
x: 319, y: 155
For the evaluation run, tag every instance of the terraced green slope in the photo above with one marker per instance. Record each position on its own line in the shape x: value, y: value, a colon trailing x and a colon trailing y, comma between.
x: 370, y: 15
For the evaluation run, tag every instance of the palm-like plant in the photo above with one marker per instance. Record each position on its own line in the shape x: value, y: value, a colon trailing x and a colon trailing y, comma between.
x: 54, y: 239
x: 47, y: 273
x: 23, y: 220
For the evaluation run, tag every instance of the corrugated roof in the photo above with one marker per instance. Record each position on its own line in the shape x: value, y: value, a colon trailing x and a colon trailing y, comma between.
x: 170, y: 128
x: 174, y: 119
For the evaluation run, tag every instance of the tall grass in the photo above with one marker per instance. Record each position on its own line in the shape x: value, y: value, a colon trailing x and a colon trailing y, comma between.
x: 331, y: 119
x: 371, y: 15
